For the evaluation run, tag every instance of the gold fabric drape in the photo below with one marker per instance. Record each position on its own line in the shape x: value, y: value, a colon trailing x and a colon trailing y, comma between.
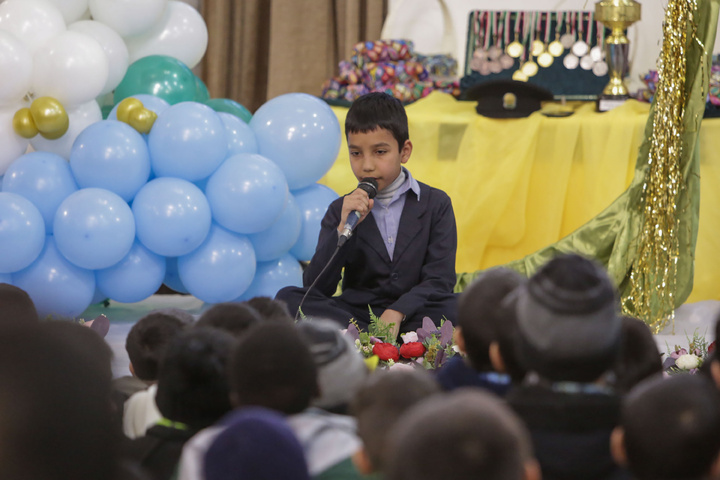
x: 259, y: 49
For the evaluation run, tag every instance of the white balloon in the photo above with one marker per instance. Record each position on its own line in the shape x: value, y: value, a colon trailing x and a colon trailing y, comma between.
x: 16, y: 69
x: 12, y: 145
x: 128, y: 17
x: 72, y: 10
x: 72, y: 68
x: 81, y: 117
x: 113, y: 46
x: 32, y: 21
x: 181, y: 33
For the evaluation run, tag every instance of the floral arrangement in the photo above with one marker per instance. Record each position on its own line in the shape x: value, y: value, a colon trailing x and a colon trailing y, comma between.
x: 688, y: 360
x: 429, y: 346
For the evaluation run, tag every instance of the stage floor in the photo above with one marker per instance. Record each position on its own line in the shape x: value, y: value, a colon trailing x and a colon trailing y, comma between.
x: 689, y: 318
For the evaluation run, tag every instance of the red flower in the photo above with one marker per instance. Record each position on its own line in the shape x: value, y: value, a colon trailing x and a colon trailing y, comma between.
x: 412, y: 350
x: 386, y: 351
x: 711, y: 347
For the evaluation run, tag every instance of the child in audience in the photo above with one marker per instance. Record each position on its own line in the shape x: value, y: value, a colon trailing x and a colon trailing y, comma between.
x: 464, y: 435
x: 192, y: 394
x: 381, y: 401
x: 569, y: 332
x: 483, y: 321
x: 670, y: 430
x: 401, y: 261
x: 270, y: 310
x: 234, y: 318
x: 16, y: 306
x: 146, y: 344
x: 639, y: 357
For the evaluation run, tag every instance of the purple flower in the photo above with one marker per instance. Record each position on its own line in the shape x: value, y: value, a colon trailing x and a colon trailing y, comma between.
x: 423, y: 335
x: 429, y: 326
x: 678, y: 353
x: 446, y: 333
x: 353, y: 332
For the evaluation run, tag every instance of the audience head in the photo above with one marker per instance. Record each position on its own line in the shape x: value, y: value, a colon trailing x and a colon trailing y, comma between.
x: 257, y: 444
x: 57, y: 421
x: 270, y: 310
x: 482, y: 320
x: 712, y: 366
x: 378, y: 110
x: 467, y: 434
x: 147, y: 341
x: 569, y: 328
x: 639, y: 357
x: 670, y: 430
x: 234, y: 318
x: 192, y: 382
x: 341, y: 368
x: 183, y: 315
x: 16, y: 306
x: 272, y: 367
x: 377, y: 406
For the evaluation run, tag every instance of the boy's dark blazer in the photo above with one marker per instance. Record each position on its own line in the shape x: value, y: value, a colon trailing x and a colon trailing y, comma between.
x: 423, y: 265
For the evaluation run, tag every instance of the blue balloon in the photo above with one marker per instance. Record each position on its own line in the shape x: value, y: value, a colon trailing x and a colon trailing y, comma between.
x: 43, y: 178
x: 5, y: 278
x: 172, y: 216
x: 56, y: 286
x: 301, y: 134
x: 134, y: 278
x: 241, y: 138
x: 151, y: 102
x: 22, y: 232
x: 188, y: 141
x: 313, y: 203
x: 247, y: 193
x: 111, y: 155
x: 94, y: 228
x: 172, y: 278
x: 270, y: 277
x: 277, y: 240
x: 99, y: 296
x: 221, y: 269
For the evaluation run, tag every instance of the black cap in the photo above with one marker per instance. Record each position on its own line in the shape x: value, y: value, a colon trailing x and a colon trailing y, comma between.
x: 507, y: 98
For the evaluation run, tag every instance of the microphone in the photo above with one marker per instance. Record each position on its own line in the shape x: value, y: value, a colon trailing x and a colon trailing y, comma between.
x: 369, y: 185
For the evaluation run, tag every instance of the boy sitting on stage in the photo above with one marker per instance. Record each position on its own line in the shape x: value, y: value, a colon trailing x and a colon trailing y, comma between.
x: 401, y: 260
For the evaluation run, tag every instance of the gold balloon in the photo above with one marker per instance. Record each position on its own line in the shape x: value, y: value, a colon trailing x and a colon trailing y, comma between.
x: 50, y: 117
x: 142, y: 119
x: 23, y: 124
x: 127, y: 106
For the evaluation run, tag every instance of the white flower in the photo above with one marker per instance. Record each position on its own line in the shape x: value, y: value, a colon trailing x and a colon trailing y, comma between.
x: 456, y: 349
x: 687, y: 362
x: 409, y: 337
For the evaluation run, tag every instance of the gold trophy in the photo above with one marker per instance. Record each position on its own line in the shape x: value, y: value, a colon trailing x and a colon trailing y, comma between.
x: 617, y: 15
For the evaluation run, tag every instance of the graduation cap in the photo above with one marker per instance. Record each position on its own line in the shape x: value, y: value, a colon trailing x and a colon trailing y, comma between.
x: 507, y: 98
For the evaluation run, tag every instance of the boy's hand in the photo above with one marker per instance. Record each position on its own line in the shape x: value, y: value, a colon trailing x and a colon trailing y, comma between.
x: 357, y: 201
x: 392, y: 316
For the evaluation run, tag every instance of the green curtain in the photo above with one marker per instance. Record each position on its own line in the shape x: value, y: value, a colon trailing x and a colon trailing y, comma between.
x: 612, y: 237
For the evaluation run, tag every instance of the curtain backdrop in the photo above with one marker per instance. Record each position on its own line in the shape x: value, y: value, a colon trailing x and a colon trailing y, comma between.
x: 259, y: 49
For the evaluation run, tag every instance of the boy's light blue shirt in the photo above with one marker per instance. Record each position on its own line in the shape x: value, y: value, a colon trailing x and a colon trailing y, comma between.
x: 387, y: 217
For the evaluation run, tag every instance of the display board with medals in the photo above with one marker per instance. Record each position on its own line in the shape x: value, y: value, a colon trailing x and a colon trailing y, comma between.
x: 560, y: 51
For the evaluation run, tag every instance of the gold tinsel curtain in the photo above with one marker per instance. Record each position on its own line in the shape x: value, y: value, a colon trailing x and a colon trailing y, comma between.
x: 259, y: 49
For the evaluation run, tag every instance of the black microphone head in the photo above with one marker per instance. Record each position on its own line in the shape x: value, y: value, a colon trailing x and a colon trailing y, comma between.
x: 369, y: 185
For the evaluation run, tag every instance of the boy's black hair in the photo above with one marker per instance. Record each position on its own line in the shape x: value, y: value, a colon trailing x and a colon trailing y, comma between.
x: 272, y: 367
x: 57, y: 420
x: 639, y: 356
x: 464, y: 435
x: 234, y: 318
x: 481, y: 316
x: 381, y: 401
x: 378, y: 110
x: 270, y: 310
x: 147, y: 341
x: 672, y: 428
x: 192, y: 382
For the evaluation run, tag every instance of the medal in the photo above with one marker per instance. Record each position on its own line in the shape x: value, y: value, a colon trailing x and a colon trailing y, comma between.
x: 495, y: 66
x: 600, y: 69
x: 545, y: 59
x: 537, y: 46
x: 568, y: 39
x: 556, y: 48
x: 570, y: 61
x: 516, y: 49
x: 505, y: 60
x: 519, y: 76
x: 586, y: 62
x: 580, y: 48
x: 530, y: 68
x: 494, y: 51
x: 597, y: 51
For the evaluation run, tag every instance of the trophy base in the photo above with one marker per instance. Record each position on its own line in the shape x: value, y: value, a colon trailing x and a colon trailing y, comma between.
x: 608, y: 102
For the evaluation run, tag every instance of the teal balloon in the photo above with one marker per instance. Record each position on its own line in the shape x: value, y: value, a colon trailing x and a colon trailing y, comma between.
x: 230, y: 106
x: 270, y: 277
x: 134, y: 278
x: 56, y: 286
x: 159, y: 75
x: 22, y: 232
x: 201, y: 91
x: 221, y: 269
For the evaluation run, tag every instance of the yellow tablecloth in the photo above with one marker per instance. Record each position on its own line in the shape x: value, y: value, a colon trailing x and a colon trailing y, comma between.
x: 519, y: 185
